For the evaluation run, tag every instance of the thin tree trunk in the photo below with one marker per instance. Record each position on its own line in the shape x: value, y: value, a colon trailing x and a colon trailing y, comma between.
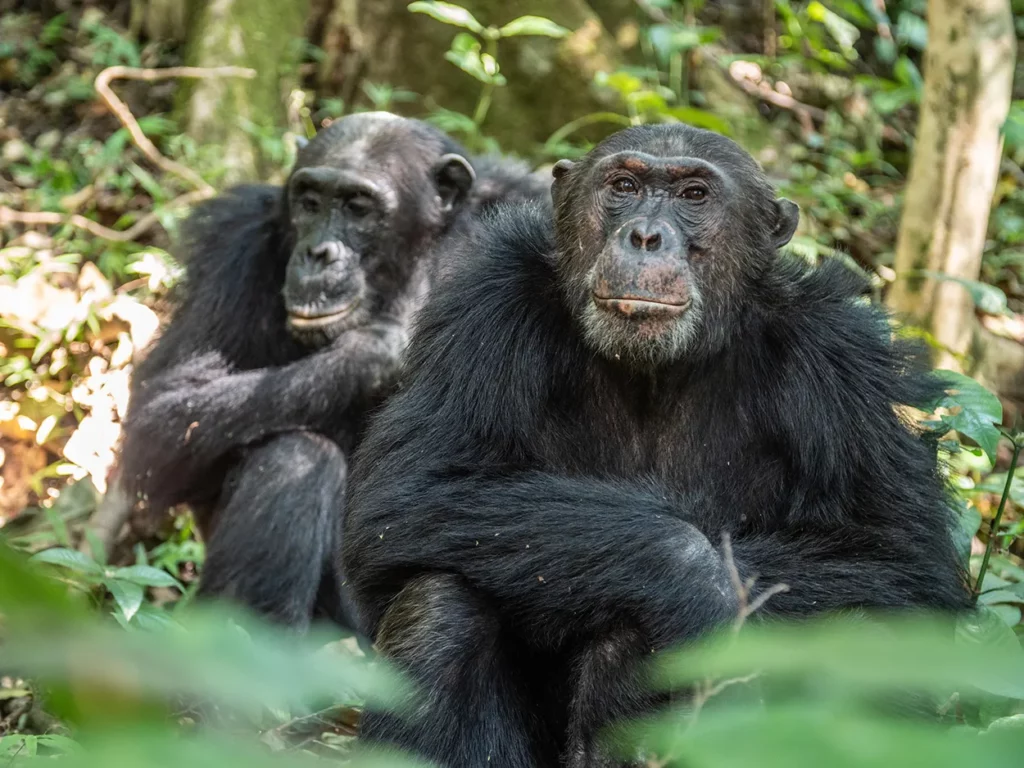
x: 968, y: 79
x: 233, y: 113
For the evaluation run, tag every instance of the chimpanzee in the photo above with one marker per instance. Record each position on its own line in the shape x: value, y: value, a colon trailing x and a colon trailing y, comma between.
x: 586, y: 408
x: 295, y: 311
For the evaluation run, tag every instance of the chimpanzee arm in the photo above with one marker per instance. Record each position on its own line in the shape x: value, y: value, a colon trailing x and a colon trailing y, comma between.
x: 559, y: 555
x: 193, y: 415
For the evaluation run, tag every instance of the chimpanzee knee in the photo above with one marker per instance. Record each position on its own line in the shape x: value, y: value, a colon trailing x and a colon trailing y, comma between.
x: 280, y: 510
x: 466, y: 709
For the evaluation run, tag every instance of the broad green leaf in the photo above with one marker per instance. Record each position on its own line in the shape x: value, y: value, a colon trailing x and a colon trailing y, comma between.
x: 147, y: 576
x: 533, y: 25
x: 877, y: 655
x: 474, y: 63
x: 985, y: 634
x: 988, y: 298
x: 24, y: 591
x: 212, y: 653
x: 18, y: 745
x: 71, y: 559
x: 809, y: 735
x: 127, y: 595
x: 448, y: 13
x: 974, y: 411
x: 999, y: 596
x: 1011, y: 723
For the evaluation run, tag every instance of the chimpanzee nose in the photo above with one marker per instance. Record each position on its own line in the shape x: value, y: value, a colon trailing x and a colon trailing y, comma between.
x: 325, y: 252
x: 646, y: 237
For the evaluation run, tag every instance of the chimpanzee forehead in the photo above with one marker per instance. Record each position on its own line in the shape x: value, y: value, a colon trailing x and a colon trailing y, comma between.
x: 377, y: 143
x: 645, y: 165
x: 675, y: 140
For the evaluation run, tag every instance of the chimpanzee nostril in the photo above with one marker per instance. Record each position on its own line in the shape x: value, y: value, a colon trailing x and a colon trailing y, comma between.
x: 326, y: 252
x: 643, y: 241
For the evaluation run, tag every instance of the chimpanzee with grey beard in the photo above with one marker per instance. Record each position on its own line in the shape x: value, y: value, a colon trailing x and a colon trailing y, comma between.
x: 586, y: 408
x: 295, y: 311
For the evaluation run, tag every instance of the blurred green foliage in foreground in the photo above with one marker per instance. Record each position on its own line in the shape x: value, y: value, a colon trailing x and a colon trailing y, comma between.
x: 811, y: 695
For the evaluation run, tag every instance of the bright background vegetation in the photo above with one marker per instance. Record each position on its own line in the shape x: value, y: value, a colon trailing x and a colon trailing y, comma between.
x: 102, y: 657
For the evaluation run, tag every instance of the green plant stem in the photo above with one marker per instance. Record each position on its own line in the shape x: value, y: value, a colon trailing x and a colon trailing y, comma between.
x: 583, y: 122
x: 675, y: 75
x: 484, y: 103
x: 993, y: 530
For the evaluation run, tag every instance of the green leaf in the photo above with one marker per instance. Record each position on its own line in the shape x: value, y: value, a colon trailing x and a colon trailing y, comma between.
x: 127, y: 595
x: 974, y: 411
x: 26, y: 593
x: 447, y: 13
x: 999, y: 596
x: 1012, y: 723
x: 986, y: 297
x: 868, y: 656
x: 986, y: 634
x: 71, y: 559
x: 147, y: 576
x: 533, y: 25
x: 481, y: 66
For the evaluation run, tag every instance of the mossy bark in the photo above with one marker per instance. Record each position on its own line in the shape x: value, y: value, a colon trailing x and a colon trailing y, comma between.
x: 264, y: 35
x: 968, y: 80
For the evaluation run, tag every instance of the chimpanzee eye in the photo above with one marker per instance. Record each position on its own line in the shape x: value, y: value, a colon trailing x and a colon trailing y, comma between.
x: 309, y: 204
x: 625, y: 186
x: 359, y: 206
x: 695, y: 192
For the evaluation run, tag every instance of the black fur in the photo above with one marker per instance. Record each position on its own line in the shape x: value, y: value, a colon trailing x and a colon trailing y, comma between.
x: 250, y: 423
x: 529, y: 516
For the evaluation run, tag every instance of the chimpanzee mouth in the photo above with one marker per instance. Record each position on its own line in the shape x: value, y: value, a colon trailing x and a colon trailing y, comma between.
x: 304, y: 319
x: 632, y: 306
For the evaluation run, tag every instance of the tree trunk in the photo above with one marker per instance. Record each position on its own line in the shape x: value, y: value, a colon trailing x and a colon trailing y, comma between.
x: 232, y: 113
x: 953, y: 173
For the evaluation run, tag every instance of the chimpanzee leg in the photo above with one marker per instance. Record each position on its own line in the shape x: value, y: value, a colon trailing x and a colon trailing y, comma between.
x: 608, y: 686
x: 272, y: 536
x: 470, y: 708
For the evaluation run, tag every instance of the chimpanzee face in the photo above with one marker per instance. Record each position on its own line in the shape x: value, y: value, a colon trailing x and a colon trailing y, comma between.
x: 368, y: 195
x: 657, y: 237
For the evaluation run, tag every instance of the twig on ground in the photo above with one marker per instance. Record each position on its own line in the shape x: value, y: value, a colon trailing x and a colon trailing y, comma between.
x: 124, y: 115
x: 120, y: 109
x: 11, y: 216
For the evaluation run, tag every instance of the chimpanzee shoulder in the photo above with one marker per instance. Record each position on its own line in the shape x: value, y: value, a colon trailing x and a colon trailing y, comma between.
x: 234, y: 253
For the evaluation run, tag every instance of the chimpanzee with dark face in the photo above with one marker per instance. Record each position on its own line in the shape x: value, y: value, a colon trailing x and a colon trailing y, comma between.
x: 295, y: 311
x: 587, y: 407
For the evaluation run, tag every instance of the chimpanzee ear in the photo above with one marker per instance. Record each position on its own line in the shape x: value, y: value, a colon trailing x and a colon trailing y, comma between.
x: 455, y: 177
x: 558, y: 171
x: 562, y: 167
x: 787, y: 216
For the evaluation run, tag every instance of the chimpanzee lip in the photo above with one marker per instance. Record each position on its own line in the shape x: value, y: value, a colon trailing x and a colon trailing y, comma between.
x: 628, y: 304
x: 305, y: 319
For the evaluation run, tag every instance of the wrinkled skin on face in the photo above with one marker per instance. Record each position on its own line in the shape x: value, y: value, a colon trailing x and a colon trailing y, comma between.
x: 365, y: 196
x: 659, y: 233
